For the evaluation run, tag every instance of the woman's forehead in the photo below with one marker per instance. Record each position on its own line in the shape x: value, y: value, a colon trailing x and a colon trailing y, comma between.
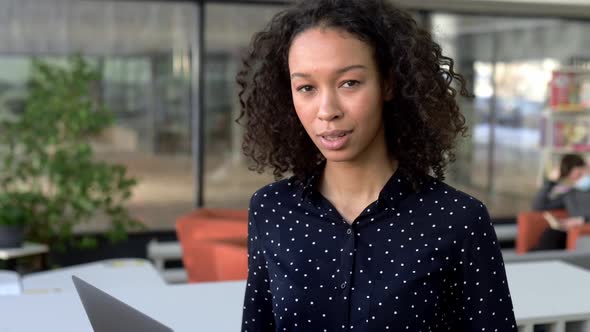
x: 328, y: 50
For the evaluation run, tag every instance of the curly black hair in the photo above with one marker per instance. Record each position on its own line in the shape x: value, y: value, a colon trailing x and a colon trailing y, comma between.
x: 568, y: 163
x: 422, y: 121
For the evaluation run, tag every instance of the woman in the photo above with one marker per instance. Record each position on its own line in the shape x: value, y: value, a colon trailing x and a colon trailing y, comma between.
x: 357, y: 102
x: 572, y: 168
x: 564, y: 189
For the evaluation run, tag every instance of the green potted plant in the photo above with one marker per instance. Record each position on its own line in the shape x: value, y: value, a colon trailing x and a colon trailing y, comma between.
x: 17, y: 213
x: 46, y: 157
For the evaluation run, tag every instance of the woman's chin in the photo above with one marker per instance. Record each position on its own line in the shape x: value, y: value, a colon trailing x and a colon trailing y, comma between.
x: 338, y: 156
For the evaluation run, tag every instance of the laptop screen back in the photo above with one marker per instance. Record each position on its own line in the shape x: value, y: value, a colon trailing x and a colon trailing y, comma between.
x: 107, y: 314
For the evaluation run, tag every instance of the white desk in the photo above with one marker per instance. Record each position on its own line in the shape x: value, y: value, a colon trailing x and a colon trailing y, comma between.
x: 105, y: 274
x: 9, y: 283
x: 197, y: 307
x: 552, y: 293
x: 506, y: 232
x: 218, y: 306
x: 27, y: 249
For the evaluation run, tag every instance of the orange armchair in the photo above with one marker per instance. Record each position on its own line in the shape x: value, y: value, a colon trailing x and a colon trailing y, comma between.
x: 574, y: 234
x: 212, y: 224
x: 238, y: 214
x: 530, y: 226
x: 212, y: 239
x: 216, y: 260
x: 231, y: 259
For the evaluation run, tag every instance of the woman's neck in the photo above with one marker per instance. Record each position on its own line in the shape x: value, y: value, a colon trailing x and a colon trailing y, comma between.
x: 361, y: 182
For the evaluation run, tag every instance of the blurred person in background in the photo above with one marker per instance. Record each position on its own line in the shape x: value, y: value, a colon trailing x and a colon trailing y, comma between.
x: 560, y: 182
x: 566, y: 188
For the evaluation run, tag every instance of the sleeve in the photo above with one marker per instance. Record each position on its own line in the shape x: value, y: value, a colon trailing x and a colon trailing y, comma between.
x: 257, y: 313
x: 576, y: 203
x: 487, y: 305
x: 542, y: 201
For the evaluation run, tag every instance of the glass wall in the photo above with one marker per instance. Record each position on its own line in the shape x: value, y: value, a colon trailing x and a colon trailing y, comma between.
x: 143, y: 51
x: 508, y: 62
x: 227, y: 180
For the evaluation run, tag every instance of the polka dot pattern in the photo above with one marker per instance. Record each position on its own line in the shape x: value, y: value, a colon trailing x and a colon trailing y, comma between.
x: 411, y: 261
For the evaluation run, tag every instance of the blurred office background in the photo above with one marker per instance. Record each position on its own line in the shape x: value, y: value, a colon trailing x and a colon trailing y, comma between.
x: 168, y: 74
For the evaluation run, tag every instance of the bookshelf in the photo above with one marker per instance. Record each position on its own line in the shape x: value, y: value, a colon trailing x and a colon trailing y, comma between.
x: 566, y: 122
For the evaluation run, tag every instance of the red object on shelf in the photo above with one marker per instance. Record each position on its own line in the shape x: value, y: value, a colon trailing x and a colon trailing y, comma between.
x: 581, y: 147
x: 558, y: 135
x: 563, y: 89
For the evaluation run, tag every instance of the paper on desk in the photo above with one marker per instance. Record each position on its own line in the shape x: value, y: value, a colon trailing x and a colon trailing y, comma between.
x: 124, y: 263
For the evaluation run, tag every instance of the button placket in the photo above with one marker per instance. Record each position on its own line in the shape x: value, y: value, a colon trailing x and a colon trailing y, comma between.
x: 345, y: 274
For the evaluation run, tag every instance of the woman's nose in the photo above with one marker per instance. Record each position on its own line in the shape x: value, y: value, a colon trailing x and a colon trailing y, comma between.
x: 329, y: 109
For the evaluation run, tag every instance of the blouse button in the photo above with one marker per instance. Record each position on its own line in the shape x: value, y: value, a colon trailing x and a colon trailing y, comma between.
x: 343, y: 285
x: 349, y: 231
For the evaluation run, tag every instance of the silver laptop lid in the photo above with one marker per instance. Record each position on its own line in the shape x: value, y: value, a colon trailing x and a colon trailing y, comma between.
x: 107, y: 314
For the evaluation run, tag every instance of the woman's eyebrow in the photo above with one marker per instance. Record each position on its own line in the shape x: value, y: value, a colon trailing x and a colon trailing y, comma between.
x: 349, y: 68
x: 339, y: 71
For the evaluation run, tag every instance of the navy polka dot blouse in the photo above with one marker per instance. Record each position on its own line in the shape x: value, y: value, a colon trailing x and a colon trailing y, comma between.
x: 411, y: 261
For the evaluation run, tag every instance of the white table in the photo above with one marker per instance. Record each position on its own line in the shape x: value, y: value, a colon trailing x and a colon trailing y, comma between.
x: 506, y: 232
x: 218, y: 306
x: 191, y: 307
x: 27, y: 249
x: 105, y: 274
x: 552, y: 293
x: 10, y: 283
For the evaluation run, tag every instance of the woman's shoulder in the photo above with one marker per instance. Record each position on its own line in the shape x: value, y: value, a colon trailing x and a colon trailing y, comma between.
x: 434, y: 187
x: 278, y: 190
x: 459, y: 206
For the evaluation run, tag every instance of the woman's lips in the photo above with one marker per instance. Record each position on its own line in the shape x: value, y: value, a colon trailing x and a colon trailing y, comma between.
x: 334, y: 140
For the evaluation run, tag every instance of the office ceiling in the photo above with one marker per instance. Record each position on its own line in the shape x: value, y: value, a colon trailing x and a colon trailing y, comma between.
x: 94, y: 27
x: 57, y: 27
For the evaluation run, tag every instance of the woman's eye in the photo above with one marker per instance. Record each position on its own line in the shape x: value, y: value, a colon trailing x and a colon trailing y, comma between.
x: 305, y: 88
x: 350, y: 84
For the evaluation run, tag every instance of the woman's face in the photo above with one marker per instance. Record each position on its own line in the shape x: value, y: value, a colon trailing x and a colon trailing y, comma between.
x: 577, y: 172
x: 337, y: 93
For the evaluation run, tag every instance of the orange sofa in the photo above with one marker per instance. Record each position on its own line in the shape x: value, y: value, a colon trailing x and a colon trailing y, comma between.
x: 220, y: 213
x: 531, y: 224
x: 214, y: 244
x: 574, y: 234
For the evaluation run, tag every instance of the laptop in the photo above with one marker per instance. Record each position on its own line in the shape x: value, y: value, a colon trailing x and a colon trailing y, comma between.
x: 107, y: 314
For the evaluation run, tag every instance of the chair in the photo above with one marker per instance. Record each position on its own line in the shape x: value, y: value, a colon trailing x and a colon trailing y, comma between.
x: 241, y: 214
x: 231, y: 259
x: 202, y: 234
x: 530, y: 226
x: 578, y: 238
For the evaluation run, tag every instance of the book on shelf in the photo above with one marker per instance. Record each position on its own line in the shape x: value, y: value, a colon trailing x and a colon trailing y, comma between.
x: 570, y: 108
x: 570, y: 90
x: 572, y: 135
